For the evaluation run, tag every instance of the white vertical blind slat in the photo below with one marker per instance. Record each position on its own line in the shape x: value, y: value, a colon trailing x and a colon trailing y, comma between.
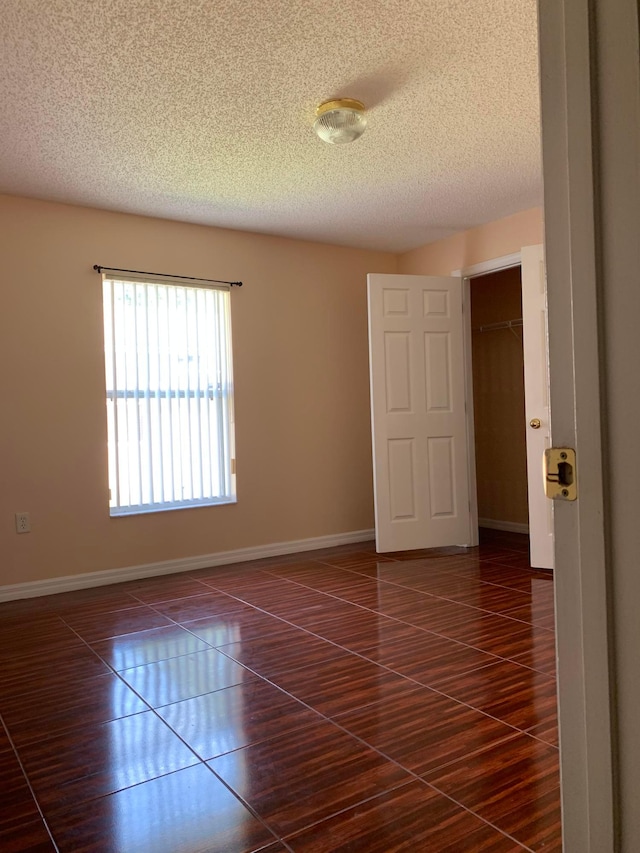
x: 169, y: 387
x: 188, y: 390
x: 222, y: 440
x: 150, y: 424
x: 159, y: 457
x: 199, y: 304
x: 110, y: 364
x: 174, y: 399
x: 137, y: 295
x: 123, y: 402
x: 207, y: 319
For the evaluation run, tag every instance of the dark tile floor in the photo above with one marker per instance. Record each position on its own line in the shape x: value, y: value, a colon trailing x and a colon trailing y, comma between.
x: 319, y: 702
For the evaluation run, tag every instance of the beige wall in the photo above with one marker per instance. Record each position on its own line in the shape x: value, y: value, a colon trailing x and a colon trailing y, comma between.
x: 498, y: 398
x: 493, y: 240
x: 301, y: 377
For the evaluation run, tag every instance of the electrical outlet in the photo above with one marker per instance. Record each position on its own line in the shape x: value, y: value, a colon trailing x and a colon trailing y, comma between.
x: 23, y: 522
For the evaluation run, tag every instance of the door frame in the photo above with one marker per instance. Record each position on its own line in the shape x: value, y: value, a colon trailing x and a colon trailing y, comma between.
x: 573, y: 65
x: 467, y: 273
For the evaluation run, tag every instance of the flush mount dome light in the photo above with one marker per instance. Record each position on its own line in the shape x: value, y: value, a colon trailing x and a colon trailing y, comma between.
x: 340, y: 121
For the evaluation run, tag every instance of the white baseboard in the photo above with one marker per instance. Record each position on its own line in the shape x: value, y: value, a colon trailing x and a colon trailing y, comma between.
x: 509, y: 526
x: 31, y: 589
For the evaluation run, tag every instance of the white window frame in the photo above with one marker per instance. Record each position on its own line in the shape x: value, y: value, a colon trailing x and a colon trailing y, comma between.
x: 168, y: 394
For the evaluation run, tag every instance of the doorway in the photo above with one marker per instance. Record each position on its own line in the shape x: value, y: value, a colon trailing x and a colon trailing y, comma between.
x: 527, y: 302
x: 497, y: 360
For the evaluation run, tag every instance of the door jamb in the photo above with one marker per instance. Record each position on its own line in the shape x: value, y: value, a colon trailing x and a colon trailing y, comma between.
x: 466, y: 274
x: 587, y: 222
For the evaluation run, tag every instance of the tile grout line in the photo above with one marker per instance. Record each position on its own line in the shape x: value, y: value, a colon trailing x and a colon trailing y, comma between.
x: 28, y: 783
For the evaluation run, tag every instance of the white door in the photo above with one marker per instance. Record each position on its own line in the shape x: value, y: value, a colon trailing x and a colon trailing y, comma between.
x: 418, y: 412
x: 536, y: 395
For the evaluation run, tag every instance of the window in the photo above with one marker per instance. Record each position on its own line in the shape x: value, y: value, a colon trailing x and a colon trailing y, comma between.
x: 169, y: 395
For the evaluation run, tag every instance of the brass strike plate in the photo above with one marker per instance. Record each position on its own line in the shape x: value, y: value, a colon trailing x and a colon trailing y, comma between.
x: 559, y: 473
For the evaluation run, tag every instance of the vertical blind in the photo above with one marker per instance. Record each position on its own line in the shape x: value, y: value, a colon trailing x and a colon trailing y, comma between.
x: 169, y: 395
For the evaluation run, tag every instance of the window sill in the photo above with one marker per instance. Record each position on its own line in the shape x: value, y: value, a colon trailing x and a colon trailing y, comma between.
x: 146, y: 509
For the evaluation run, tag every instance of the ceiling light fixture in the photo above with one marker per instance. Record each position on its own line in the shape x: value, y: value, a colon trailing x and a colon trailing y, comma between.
x: 339, y: 121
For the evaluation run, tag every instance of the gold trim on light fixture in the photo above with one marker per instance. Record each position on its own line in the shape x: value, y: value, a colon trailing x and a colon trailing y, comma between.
x: 340, y: 104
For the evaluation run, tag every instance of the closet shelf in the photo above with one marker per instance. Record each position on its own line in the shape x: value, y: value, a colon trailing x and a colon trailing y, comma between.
x: 493, y: 327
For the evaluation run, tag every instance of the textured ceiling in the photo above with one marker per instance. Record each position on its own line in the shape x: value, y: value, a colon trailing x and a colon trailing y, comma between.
x: 201, y: 110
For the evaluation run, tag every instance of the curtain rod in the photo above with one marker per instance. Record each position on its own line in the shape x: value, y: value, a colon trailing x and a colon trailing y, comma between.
x: 98, y: 268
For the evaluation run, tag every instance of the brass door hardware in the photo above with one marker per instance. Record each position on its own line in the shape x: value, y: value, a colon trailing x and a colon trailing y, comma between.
x: 534, y: 423
x: 559, y: 472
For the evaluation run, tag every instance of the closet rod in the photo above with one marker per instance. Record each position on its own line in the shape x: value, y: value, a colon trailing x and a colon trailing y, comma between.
x: 493, y: 327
